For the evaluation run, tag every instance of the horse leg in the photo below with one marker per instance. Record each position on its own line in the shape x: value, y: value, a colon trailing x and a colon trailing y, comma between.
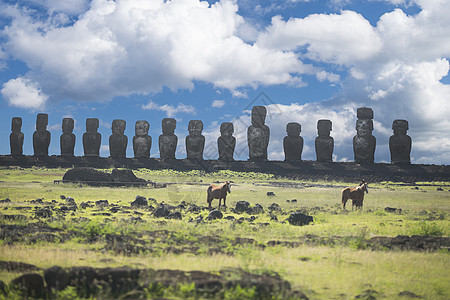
x: 220, y: 201
x: 224, y: 199
x: 209, y: 200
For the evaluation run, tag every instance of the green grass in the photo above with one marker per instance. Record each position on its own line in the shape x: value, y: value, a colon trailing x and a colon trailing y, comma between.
x: 343, y: 270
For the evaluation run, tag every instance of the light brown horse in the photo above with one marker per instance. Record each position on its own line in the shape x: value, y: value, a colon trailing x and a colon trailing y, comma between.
x: 356, y: 194
x: 218, y: 192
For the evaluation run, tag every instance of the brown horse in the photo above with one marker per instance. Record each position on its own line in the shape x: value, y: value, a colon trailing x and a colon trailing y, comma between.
x: 218, y: 192
x: 356, y: 194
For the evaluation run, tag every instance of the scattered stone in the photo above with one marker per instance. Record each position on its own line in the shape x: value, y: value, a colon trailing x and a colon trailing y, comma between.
x: 299, y: 219
x: 176, y: 215
x: 215, y: 214
x: 293, y: 200
x: 440, y: 189
x: 230, y: 218
x: 367, y: 295
x: 257, y: 209
x: 408, y: 294
x: 161, y: 212
x: 29, y: 285
x: 62, y: 197
x: 56, y: 278
x: 3, y: 288
x: 85, y: 205
x: 7, y: 200
x: 136, y: 220
x: 273, y: 218
x: 19, y: 267
x: 43, y: 213
x: 70, y: 201
x: 139, y: 201
x: 270, y: 194
x: 102, y: 203
x: 37, y: 201
x: 242, y: 206
x: 393, y: 210
x: 274, y: 207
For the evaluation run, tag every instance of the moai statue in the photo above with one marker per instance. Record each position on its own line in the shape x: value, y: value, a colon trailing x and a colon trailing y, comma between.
x: 226, y: 142
x: 195, y: 141
x: 258, y: 135
x: 91, y: 138
x: 67, y: 140
x: 16, y: 137
x: 364, y: 142
x: 41, y: 137
x: 400, y: 143
x: 293, y: 142
x: 324, y: 142
x: 168, y: 140
x: 118, y: 141
x: 142, y: 142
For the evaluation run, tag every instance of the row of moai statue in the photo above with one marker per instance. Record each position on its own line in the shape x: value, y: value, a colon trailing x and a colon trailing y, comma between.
x: 258, y: 134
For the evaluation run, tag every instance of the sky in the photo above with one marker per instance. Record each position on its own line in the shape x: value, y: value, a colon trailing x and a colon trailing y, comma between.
x: 304, y: 60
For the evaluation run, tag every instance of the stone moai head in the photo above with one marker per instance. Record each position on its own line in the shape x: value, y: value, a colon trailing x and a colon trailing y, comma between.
x: 91, y: 124
x: 195, y: 127
x: 364, y: 127
x: 400, y: 127
x: 67, y: 125
x: 364, y: 113
x: 293, y: 129
x: 259, y: 116
x: 168, y: 126
x: 118, y: 126
x: 141, y: 128
x: 41, y: 122
x: 324, y: 127
x: 227, y: 129
x: 16, y: 124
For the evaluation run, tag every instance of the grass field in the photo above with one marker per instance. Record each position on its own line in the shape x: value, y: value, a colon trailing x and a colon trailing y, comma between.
x: 333, y: 258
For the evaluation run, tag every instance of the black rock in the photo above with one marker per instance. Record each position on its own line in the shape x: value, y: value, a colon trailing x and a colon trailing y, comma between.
x: 125, y: 176
x: 231, y: 218
x: 176, y: 215
x: 299, y: 219
x: 257, y: 209
x: 29, y: 285
x: 194, y: 208
x: 87, y: 175
x: 242, y: 206
x: 273, y: 218
x: 274, y: 207
x: 3, y: 288
x: 7, y: 200
x: 62, y: 197
x: 215, y: 214
x: 56, y: 278
x: 70, y: 201
x: 139, y: 201
x: 102, y: 203
x: 43, y: 213
x: 161, y: 212
x: 270, y: 194
x: 393, y: 210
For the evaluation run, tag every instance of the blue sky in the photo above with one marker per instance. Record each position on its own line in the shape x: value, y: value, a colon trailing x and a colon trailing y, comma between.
x: 304, y: 59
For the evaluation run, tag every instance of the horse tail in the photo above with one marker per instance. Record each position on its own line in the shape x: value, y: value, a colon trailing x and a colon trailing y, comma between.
x: 208, y: 194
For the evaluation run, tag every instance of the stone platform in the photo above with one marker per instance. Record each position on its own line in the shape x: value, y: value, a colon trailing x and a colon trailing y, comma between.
x: 304, y: 170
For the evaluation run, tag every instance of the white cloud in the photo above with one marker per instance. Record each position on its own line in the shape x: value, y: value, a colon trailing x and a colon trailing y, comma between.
x: 218, y: 103
x: 24, y: 93
x: 170, y: 110
x: 337, y: 38
x: 128, y: 47
x: 66, y: 6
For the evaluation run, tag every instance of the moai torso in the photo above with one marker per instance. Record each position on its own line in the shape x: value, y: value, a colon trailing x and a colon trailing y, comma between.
x: 324, y: 142
x: 364, y: 142
x: 41, y: 137
x: 258, y: 135
x: 400, y: 143
x: 226, y: 142
x: 67, y: 139
x: 168, y: 140
x: 118, y: 140
x: 195, y: 141
x: 142, y: 142
x: 16, y: 137
x: 91, y: 138
x: 293, y: 142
